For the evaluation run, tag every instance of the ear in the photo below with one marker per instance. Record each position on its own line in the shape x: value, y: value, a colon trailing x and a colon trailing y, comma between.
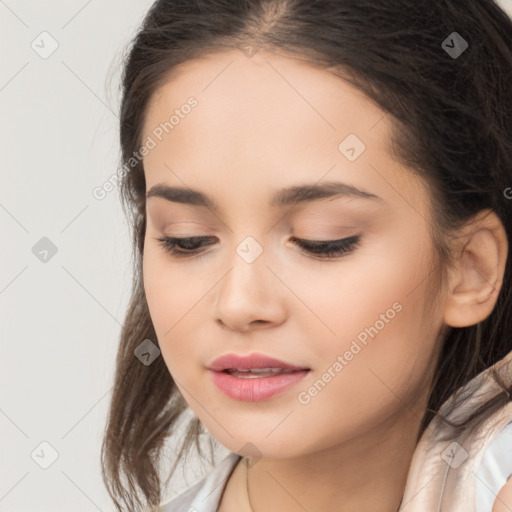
x: 475, y: 279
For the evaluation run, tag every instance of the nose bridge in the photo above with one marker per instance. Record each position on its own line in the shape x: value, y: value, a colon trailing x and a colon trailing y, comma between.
x: 247, y: 292
x: 248, y: 269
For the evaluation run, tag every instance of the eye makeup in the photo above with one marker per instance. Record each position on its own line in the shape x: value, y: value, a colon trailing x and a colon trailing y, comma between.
x: 189, y: 246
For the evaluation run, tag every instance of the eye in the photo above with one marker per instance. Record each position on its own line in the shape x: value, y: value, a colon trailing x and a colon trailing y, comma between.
x: 329, y: 248
x: 181, y: 247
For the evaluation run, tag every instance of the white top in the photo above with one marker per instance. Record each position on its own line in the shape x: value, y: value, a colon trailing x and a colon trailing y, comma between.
x: 460, y: 476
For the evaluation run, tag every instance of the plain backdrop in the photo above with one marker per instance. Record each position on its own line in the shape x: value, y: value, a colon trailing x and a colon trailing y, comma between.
x: 65, y: 252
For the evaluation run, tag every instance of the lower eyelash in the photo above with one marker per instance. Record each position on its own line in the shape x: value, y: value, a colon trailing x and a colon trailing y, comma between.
x: 323, y: 249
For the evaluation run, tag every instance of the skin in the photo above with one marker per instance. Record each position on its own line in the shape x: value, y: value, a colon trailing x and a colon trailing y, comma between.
x: 264, y: 123
x: 503, y: 501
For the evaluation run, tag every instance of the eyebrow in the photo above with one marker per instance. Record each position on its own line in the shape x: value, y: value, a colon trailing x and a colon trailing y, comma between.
x: 284, y: 197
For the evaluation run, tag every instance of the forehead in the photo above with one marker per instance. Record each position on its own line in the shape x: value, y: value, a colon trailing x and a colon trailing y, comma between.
x: 269, y: 76
x: 261, y: 123
x: 253, y: 99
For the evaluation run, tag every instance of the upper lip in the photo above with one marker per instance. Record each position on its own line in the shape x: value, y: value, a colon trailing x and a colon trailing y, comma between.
x: 241, y: 362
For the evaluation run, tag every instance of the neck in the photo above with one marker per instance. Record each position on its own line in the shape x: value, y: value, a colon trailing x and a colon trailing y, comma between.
x: 365, y: 473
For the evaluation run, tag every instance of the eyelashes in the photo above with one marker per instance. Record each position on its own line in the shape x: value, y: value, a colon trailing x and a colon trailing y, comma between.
x: 175, y: 247
x: 328, y: 249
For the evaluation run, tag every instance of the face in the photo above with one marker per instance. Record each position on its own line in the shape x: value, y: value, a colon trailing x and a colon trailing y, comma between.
x: 360, y: 320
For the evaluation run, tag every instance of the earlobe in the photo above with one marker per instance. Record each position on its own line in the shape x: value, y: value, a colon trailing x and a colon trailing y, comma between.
x: 476, y: 277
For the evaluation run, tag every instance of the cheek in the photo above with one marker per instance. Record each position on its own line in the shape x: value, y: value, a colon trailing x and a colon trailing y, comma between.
x: 377, y: 319
x: 171, y: 296
x: 346, y: 300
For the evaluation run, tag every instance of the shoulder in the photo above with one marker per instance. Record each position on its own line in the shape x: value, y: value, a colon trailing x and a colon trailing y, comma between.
x: 183, y: 501
x: 204, y: 496
x: 465, y: 473
x: 503, y: 501
x: 494, y: 482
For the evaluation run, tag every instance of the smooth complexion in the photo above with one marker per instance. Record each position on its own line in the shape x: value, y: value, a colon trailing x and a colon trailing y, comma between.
x: 263, y: 124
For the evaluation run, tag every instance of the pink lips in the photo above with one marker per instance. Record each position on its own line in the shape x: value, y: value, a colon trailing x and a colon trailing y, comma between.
x: 234, y: 361
x: 253, y: 386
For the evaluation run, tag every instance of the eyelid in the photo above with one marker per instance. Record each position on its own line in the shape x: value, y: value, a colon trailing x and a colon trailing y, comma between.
x: 327, y: 250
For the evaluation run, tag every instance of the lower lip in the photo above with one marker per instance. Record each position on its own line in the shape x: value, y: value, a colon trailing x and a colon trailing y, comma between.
x: 255, y: 389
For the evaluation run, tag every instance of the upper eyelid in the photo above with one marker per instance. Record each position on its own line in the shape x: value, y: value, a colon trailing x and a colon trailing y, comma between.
x: 307, y: 239
x: 351, y: 239
x: 321, y: 250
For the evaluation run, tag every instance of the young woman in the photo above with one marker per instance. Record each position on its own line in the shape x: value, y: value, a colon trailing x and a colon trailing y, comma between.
x: 320, y: 195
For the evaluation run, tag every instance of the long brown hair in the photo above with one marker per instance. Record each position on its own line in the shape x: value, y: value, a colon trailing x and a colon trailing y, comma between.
x: 453, y: 127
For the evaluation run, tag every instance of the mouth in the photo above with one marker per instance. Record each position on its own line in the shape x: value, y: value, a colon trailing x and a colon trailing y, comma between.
x: 256, y: 386
x: 252, y: 365
x: 258, y: 373
x: 255, y: 377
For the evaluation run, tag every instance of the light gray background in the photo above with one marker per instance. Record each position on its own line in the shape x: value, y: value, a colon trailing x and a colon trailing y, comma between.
x: 61, y: 318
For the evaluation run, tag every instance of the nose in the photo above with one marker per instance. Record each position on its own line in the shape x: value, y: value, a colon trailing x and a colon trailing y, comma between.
x: 250, y: 296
